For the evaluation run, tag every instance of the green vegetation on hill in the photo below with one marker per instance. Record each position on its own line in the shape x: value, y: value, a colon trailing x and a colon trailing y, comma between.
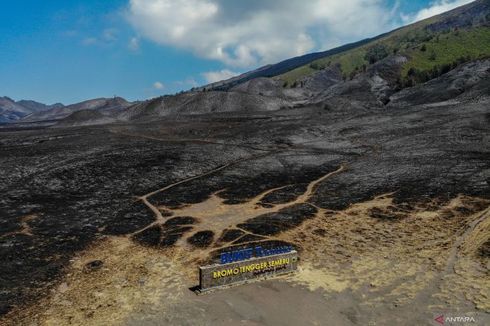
x: 445, y: 51
x: 429, y: 53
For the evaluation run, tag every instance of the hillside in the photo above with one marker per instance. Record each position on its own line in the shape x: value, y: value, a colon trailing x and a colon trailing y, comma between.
x: 107, y: 105
x: 11, y: 110
x: 433, y: 47
x: 194, y: 103
x: 28, y: 111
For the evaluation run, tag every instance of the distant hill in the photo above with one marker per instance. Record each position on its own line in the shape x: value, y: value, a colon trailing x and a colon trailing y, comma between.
x: 38, y: 107
x: 107, y: 105
x: 32, y: 111
x: 11, y: 111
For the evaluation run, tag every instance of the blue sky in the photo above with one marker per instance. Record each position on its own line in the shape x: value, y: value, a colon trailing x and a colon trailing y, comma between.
x: 71, y: 50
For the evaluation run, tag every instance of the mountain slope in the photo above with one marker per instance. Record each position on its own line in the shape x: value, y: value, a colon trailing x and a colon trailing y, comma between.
x: 432, y: 46
x: 108, y: 105
x: 283, y: 66
x: 37, y: 107
x: 370, y: 72
x: 460, y: 35
x: 11, y: 111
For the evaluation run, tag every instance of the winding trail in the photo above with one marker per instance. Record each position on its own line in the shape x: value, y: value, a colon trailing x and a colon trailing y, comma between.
x: 312, y: 187
x: 159, y: 219
x: 218, y: 216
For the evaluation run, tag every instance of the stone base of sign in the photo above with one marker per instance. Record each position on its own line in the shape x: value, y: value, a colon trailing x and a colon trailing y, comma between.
x: 223, y: 275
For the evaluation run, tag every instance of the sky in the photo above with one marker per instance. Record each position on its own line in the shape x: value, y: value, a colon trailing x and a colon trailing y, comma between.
x: 72, y: 50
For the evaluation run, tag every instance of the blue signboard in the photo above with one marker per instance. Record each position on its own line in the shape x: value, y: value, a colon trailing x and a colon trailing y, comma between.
x: 247, y: 253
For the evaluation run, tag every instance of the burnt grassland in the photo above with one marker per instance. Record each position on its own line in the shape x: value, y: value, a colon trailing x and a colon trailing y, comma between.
x: 277, y: 178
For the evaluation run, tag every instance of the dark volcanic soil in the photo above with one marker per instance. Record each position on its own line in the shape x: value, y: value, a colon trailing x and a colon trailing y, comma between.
x: 288, y: 175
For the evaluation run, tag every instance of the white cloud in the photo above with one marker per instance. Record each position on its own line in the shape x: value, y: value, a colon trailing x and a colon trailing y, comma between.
x: 215, y: 76
x: 188, y: 82
x: 158, y: 85
x: 109, y: 35
x: 134, y: 44
x: 89, y: 41
x: 435, y: 8
x: 247, y: 33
